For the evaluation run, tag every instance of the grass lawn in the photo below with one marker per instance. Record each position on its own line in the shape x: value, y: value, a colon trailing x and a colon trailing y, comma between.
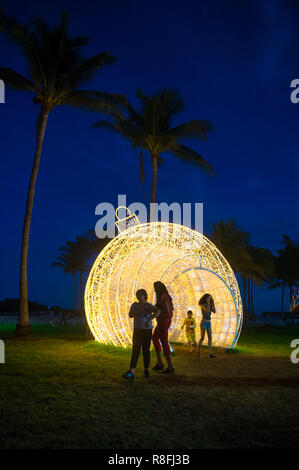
x: 62, y: 390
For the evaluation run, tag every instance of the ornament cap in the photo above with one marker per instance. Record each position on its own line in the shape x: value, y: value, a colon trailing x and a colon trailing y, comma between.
x: 123, y: 223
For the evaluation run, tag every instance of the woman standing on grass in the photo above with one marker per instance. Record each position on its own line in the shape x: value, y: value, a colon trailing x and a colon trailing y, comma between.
x: 207, y: 307
x: 160, y: 336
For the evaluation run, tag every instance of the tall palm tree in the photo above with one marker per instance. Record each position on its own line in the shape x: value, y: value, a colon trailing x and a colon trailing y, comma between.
x: 290, y: 256
x: 233, y: 242
x: 56, y: 71
x: 86, y: 247
x: 150, y: 130
x: 255, y: 265
x: 286, y: 273
x: 262, y: 271
x: 76, y: 256
x: 71, y: 261
x: 83, y: 252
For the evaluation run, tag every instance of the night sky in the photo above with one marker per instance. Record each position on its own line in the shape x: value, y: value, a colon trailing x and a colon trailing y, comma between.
x: 232, y: 62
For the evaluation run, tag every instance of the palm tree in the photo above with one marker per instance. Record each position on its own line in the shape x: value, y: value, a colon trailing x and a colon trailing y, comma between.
x: 86, y: 247
x: 150, y: 130
x: 290, y: 256
x: 262, y: 271
x: 83, y: 252
x: 76, y: 256
x: 286, y: 273
x: 70, y: 260
x: 233, y: 243
x: 56, y: 71
x: 96, y: 245
x: 255, y: 265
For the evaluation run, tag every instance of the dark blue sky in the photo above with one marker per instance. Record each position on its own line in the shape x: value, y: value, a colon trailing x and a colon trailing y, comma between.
x: 232, y: 62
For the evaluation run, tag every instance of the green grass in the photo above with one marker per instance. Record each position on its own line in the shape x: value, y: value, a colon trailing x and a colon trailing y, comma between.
x: 62, y: 390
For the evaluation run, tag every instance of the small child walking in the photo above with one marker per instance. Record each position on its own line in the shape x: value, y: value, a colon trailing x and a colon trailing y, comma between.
x: 143, y: 313
x: 190, y: 325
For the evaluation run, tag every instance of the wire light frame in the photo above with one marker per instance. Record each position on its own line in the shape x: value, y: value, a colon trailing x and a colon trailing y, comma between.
x: 186, y: 261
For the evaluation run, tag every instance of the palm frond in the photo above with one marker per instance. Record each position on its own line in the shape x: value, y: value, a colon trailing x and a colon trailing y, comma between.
x: 88, y: 68
x: 15, y: 80
x: 31, y: 45
x: 125, y: 128
x: 158, y: 110
x: 171, y: 101
x: 150, y: 129
x: 43, y: 30
x: 133, y: 114
x: 195, y: 128
x: 114, y: 99
x: 167, y: 102
x: 109, y: 126
x: 57, y: 264
x: 141, y: 171
x: 189, y: 155
x: 106, y: 103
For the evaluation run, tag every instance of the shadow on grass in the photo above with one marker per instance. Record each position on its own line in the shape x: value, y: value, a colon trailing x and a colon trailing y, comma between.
x: 260, y: 382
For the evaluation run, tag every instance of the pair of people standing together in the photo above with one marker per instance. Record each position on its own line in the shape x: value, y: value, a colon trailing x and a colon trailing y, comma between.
x: 143, y: 313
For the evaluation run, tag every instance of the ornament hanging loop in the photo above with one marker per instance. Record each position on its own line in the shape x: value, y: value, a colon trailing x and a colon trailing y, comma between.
x: 124, y: 223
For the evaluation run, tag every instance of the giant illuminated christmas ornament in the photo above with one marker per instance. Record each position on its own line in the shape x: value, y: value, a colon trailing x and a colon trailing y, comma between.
x: 187, y: 262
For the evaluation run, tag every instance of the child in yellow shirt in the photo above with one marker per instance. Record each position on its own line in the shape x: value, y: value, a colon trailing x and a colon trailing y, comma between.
x: 190, y: 324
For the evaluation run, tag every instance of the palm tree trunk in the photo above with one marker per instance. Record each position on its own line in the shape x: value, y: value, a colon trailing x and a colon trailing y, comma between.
x: 154, y: 185
x: 81, y: 293
x: 251, y: 301
x: 245, y: 296
x: 87, y: 330
x: 23, y: 327
x: 282, y: 302
x: 75, y: 290
x: 248, y: 297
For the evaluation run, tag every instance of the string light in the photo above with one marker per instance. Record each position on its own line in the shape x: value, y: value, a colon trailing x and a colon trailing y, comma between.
x: 187, y: 262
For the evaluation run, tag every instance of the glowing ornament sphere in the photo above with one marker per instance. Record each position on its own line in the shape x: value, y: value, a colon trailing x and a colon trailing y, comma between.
x: 187, y: 262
